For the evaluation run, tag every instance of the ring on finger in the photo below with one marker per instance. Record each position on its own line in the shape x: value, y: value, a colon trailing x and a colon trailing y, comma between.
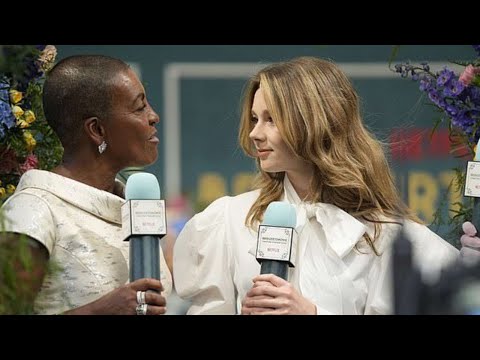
x: 141, y: 297
x: 141, y: 309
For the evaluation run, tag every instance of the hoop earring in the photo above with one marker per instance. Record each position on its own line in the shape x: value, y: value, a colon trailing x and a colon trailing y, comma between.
x: 102, y: 147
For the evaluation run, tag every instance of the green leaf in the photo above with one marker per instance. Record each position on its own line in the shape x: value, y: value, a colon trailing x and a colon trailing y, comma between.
x: 393, y: 55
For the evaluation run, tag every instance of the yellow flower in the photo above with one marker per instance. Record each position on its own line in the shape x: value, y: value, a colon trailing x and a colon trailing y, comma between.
x: 29, y: 140
x: 29, y: 116
x: 17, y: 111
x: 22, y: 124
x: 16, y: 96
x: 2, y: 192
x: 10, y: 189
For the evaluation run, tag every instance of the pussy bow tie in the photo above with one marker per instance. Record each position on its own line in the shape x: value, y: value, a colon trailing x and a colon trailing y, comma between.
x: 342, y: 231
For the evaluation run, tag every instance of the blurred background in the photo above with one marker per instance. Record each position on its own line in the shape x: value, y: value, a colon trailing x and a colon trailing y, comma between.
x: 196, y: 90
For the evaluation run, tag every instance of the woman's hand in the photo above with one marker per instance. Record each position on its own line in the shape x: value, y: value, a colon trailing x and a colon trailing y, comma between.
x: 470, y: 251
x: 271, y: 295
x: 123, y: 300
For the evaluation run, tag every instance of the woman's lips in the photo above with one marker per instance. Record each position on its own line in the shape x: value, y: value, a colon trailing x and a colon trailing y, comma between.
x: 154, y: 139
x: 263, y: 154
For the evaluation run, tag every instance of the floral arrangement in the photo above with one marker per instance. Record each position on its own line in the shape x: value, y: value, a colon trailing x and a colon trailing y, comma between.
x: 457, y: 98
x: 26, y: 140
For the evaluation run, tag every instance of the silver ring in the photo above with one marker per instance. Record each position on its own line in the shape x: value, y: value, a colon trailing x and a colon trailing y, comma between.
x: 141, y: 297
x: 141, y: 309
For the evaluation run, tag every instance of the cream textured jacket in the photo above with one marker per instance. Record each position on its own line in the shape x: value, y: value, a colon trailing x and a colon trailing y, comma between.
x: 80, y: 226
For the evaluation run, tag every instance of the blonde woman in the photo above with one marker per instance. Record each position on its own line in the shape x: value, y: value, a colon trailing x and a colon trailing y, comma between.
x: 301, y: 121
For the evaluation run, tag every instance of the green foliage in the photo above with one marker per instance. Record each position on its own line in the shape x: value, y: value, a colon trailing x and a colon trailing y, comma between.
x: 393, y: 55
x: 16, y: 263
x: 13, y: 256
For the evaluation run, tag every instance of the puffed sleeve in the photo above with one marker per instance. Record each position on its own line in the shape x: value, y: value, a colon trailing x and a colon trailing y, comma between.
x: 380, y: 286
x: 202, y: 270
x: 30, y: 215
x: 431, y: 252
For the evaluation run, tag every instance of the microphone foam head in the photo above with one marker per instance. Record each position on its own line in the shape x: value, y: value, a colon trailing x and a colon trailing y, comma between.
x: 142, y: 186
x: 280, y: 213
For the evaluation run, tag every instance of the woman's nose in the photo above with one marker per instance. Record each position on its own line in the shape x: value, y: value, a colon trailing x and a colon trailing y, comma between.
x: 256, y: 133
x: 154, y: 118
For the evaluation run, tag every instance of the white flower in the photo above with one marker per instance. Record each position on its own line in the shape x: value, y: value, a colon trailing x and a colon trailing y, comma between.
x: 47, y: 57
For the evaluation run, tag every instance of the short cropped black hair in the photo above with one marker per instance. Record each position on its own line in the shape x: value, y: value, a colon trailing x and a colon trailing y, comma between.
x: 76, y: 88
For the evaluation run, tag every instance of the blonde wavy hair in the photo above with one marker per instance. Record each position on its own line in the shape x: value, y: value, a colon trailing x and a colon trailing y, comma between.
x: 317, y: 113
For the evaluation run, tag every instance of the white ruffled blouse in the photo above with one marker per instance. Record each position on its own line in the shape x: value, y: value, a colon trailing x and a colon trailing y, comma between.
x: 81, y: 228
x: 214, y: 258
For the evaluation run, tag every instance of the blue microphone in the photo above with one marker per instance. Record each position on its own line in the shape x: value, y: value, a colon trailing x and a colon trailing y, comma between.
x: 143, y: 222
x: 277, y: 241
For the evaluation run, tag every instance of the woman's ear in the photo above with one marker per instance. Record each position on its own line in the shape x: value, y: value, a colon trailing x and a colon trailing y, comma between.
x: 94, y: 130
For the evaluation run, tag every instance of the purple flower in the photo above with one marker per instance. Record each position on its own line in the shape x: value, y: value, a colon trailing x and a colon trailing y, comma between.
x: 444, y: 77
x: 437, y: 98
x: 459, y: 100
x: 474, y: 94
x: 454, y: 88
x: 477, y: 49
x: 7, y: 120
x: 426, y: 84
x: 451, y: 110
